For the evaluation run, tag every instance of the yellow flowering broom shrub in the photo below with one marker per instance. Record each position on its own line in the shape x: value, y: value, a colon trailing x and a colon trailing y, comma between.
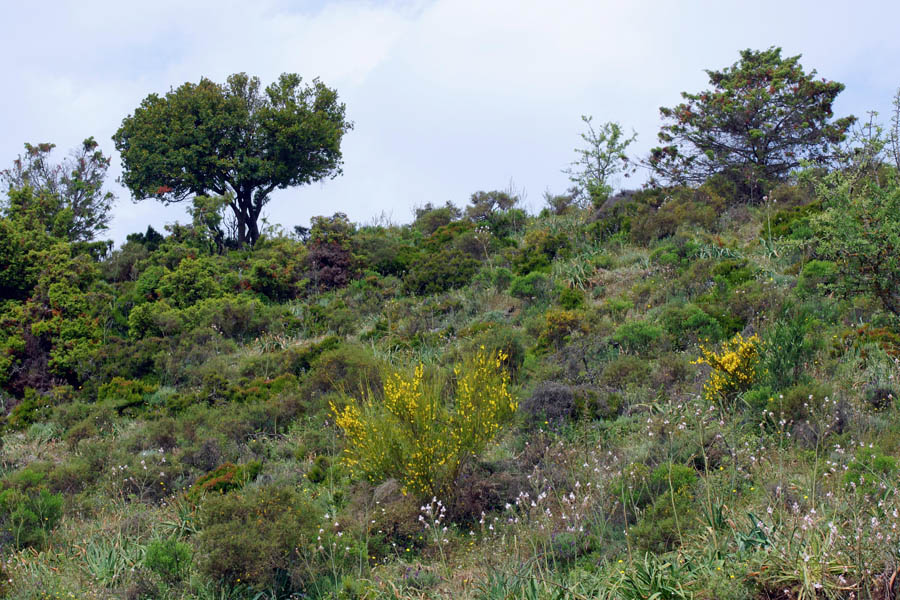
x: 735, y: 367
x: 420, y: 438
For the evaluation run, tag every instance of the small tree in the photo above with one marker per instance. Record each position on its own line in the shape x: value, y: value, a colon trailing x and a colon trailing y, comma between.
x: 602, y: 159
x: 860, y: 232
x: 233, y: 140
x: 66, y: 198
x: 763, y: 116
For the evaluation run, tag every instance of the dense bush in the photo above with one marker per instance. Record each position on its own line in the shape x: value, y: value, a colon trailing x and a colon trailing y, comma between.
x: 535, y: 287
x: 28, y: 511
x: 640, y: 337
x: 418, y: 438
x: 262, y: 537
x: 440, y: 271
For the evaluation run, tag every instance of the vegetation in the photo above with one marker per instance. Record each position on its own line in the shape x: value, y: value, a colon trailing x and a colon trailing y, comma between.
x: 235, y: 140
x: 688, y: 392
x: 764, y: 116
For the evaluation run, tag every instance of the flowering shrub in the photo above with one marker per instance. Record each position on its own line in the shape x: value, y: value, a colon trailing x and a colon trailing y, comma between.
x: 417, y: 437
x: 734, y: 368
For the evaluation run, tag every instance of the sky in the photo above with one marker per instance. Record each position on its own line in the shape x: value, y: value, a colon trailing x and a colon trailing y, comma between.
x: 448, y: 97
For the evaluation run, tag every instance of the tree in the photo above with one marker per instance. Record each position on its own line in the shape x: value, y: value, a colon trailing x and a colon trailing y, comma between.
x: 67, y: 198
x: 233, y: 139
x: 860, y: 233
x: 603, y: 158
x: 763, y: 117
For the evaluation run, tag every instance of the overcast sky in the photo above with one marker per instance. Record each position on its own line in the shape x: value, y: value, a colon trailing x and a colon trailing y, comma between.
x: 448, y: 96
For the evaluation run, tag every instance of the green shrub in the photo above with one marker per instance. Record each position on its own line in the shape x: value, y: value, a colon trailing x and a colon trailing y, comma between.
x: 191, y: 281
x: 34, y: 408
x: 262, y: 537
x: 816, y: 276
x: 688, y: 323
x: 540, y: 248
x: 625, y: 370
x: 122, y: 394
x: 349, y: 369
x: 502, y: 278
x: 29, y: 515
x: 571, y: 298
x: 501, y: 339
x: 437, y: 272
x: 638, y: 337
x: 798, y: 402
x: 871, y: 473
x: 665, y: 522
x: 168, y: 558
x: 787, y: 350
x: 534, y: 287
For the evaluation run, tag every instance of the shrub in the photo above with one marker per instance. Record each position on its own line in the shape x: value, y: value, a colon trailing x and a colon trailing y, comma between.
x: 665, y: 521
x: 225, y: 478
x: 122, y: 393
x: 689, y: 323
x: 417, y: 438
x: 262, y: 538
x: 440, y: 271
x: 191, y: 281
x: 637, y: 336
x: 534, y: 286
x: 347, y: 369
x: 502, y: 278
x: 558, y: 327
x: 169, y: 558
x: 571, y: 298
x: 550, y: 401
x: 505, y: 340
x: 541, y: 247
x: 625, y: 370
x: 735, y: 368
x: 816, y: 276
x: 787, y: 349
x: 28, y: 515
x: 871, y: 473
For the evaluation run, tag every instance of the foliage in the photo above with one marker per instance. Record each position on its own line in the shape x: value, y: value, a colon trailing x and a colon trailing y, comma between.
x: 417, y: 437
x: 438, y: 272
x: 638, y: 336
x: 764, y: 116
x: 330, y: 257
x: 735, y: 367
x: 260, y: 537
x: 860, y: 233
x: 232, y: 138
x: 29, y: 514
x: 224, y: 478
x: 602, y: 159
x: 535, y: 286
x: 655, y: 578
x: 169, y: 558
x: 67, y: 199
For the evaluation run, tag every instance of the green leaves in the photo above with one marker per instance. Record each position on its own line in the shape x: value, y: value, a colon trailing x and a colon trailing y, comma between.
x: 232, y: 139
x: 763, y: 117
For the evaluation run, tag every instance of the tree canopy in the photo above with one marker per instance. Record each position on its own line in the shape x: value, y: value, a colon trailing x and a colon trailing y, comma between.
x: 235, y: 140
x: 763, y: 116
x: 65, y: 199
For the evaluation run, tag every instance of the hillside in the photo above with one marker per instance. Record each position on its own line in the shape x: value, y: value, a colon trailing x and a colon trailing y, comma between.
x: 703, y: 406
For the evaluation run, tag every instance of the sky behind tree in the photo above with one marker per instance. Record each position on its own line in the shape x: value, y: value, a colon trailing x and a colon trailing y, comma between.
x: 448, y: 96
